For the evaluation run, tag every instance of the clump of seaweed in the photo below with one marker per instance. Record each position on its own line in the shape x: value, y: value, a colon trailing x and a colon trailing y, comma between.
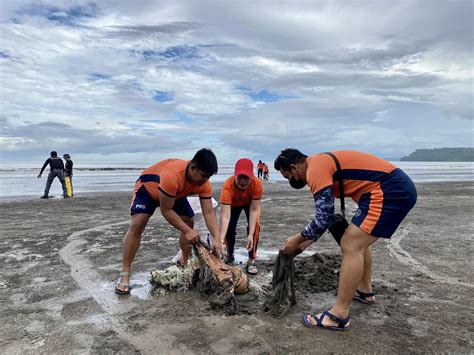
x: 174, y: 278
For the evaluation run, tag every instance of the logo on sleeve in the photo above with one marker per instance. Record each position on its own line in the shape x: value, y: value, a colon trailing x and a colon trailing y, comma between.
x: 358, y: 213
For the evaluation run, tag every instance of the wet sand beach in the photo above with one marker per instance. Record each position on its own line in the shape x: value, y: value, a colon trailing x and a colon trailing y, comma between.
x: 61, y: 259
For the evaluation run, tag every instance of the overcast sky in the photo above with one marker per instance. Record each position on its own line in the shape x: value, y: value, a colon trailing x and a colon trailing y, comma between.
x: 139, y: 81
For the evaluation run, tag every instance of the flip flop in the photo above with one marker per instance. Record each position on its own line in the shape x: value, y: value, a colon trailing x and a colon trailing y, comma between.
x: 362, y: 297
x: 118, y: 290
x: 341, y: 322
x: 251, y: 269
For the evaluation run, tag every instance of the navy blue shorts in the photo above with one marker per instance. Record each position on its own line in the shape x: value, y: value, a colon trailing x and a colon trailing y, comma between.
x: 383, y: 209
x: 142, y: 202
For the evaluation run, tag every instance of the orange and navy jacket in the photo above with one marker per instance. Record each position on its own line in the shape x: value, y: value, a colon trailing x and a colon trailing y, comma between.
x: 169, y: 177
x: 361, y: 173
x: 232, y: 195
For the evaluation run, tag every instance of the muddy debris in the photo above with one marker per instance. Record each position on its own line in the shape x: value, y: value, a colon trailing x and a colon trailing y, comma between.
x: 312, y: 274
x: 317, y: 273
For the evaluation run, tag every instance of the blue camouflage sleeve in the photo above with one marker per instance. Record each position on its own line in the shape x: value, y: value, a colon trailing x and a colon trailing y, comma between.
x: 324, y: 203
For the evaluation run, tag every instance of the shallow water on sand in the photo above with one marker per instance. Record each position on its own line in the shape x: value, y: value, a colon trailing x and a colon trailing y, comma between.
x: 22, y: 180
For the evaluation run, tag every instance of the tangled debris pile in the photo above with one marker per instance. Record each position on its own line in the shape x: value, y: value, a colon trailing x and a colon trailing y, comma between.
x: 214, y: 279
x: 229, y: 289
x: 217, y: 280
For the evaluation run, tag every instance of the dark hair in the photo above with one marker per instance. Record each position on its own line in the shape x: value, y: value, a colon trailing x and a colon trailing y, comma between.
x: 54, y: 153
x: 206, y: 161
x: 288, y: 157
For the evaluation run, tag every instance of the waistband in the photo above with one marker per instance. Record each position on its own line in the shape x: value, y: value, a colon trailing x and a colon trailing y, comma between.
x: 149, y: 178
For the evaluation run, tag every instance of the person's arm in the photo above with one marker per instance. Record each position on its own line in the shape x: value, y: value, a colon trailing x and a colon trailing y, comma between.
x: 44, y: 167
x: 166, y: 207
x: 295, y: 244
x: 212, y: 225
x: 324, y: 203
x: 225, y: 219
x: 254, y: 213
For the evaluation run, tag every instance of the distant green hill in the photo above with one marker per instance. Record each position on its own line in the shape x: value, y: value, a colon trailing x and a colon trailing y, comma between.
x: 441, y: 154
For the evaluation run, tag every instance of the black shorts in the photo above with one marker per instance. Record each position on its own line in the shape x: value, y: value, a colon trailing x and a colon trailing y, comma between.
x: 142, y: 202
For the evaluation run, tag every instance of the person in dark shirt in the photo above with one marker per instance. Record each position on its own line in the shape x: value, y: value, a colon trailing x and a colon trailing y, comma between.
x: 68, y: 170
x: 56, y: 170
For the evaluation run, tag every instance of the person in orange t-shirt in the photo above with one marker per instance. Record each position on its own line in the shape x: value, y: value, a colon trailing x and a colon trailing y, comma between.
x: 260, y: 169
x: 243, y: 191
x: 166, y: 185
x: 265, y: 171
x: 384, y: 194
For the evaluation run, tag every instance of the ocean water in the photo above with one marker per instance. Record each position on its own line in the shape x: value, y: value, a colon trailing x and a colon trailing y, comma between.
x: 21, y: 179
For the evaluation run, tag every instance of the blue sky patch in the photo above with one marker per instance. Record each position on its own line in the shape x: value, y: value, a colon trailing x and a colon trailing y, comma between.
x: 176, y: 52
x: 163, y: 96
x: 98, y: 76
x: 184, y: 117
x: 264, y: 95
x: 65, y: 17
x: 181, y: 52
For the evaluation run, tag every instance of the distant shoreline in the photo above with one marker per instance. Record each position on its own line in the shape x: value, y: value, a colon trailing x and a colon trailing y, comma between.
x: 464, y: 154
x: 226, y: 167
x: 76, y: 169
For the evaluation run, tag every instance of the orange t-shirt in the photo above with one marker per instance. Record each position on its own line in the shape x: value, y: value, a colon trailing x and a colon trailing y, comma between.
x: 361, y: 172
x: 169, y: 176
x: 259, y: 166
x: 232, y: 195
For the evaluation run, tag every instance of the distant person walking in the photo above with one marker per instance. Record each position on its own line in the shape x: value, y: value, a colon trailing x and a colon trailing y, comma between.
x: 265, y: 172
x: 260, y: 169
x: 56, y: 170
x: 68, y: 175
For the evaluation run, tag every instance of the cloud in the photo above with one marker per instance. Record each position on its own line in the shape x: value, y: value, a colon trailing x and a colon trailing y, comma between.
x: 120, y: 78
x: 28, y: 139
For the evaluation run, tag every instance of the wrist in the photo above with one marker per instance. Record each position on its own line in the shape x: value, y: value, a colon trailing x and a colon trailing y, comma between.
x: 186, y: 229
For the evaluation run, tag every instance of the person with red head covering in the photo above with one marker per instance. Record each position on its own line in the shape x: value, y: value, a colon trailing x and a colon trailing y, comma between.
x: 243, y: 191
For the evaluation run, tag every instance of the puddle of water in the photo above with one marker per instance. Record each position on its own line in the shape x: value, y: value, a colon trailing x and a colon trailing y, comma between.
x: 96, y: 319
x: 141, y: 285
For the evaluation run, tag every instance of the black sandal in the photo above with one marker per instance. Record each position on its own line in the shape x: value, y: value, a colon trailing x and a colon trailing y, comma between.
x: 342, y: 323
x: 120, y: 285
x: 362, y: 297
x: 251, y: 269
